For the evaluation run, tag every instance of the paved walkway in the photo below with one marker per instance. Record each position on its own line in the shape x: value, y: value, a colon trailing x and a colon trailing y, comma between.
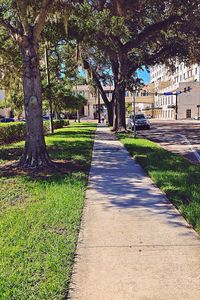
x: 133, y: 244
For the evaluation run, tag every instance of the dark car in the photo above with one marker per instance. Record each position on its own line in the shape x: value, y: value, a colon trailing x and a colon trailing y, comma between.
x: 141, y: 122
x: 6, y: 120
x: 45, y: 117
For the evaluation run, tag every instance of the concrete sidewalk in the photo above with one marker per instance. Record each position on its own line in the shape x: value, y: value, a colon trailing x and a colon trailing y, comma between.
x: 133, y: 243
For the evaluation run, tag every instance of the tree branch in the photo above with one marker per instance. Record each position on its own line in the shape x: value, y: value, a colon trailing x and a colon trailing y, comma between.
x: 22, y: 12
x: 97, y: 81
x: 150, y: 30
x: 8, y: 27
x: 41, y: 18
x: 100, y: 88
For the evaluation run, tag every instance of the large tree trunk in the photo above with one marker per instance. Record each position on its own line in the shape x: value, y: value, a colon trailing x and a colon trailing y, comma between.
x: 110, y: 113
x: 35, y: 153
x: 119, y: 122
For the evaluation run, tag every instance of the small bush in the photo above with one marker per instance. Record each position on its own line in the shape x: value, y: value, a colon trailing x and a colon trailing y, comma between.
x: 13, y: 132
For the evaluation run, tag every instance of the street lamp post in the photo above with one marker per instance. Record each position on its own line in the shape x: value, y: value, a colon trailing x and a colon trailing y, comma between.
x: 176, y: 108
x: 133, y: 106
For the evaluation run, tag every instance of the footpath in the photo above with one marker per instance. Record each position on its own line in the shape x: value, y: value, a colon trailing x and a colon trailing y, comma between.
x: 133, y: 243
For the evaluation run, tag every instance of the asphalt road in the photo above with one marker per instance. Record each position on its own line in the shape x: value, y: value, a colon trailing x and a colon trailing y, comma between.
x: 182, y: 137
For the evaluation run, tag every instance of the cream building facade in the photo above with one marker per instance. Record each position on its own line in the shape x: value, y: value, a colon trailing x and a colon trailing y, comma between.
x: 164, y: 81
x: 90, y: 110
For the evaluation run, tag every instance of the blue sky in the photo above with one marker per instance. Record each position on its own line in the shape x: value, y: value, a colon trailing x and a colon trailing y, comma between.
x: 145, y: 75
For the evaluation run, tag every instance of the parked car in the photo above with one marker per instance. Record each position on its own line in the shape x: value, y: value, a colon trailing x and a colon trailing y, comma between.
x: 197, y: 118
x: 45, y: 117
x: 141, y: 122
x: 6, y: 120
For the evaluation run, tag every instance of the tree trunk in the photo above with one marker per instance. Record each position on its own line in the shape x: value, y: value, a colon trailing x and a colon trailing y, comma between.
x: 35, y: 153
x: 119, y: 123
x: 110, y: 113
x: 108, y: 104
x: 115, y: 115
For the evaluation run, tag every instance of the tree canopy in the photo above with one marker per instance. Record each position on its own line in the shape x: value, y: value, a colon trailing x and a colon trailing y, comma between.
x: 111, y: 39
x: 131, y: 35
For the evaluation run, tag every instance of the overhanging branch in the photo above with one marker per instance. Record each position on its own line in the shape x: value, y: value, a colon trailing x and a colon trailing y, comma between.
x: 149, y: 31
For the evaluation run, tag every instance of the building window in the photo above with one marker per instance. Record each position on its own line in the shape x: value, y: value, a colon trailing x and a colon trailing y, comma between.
x: 188, y: 113
x: 196, y: 71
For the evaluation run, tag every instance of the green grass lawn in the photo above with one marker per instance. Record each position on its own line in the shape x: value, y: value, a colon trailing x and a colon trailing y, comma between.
x: 173, y: 174
x: 40, y: 216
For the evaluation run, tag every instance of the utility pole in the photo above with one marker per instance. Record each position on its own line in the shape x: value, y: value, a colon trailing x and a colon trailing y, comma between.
x: 133, y: 106
x: 99, y: 107
x: 176, y: 107
x: 49, y: 89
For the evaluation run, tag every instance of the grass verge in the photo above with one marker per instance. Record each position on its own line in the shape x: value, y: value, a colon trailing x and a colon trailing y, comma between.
x: 40, y: 217
x: 178, y: 178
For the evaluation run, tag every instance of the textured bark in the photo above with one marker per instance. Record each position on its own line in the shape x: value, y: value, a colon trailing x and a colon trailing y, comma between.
x: 120, y: 70
x: 115, y: 115
x: 35, y: 153
x: 119, y: 120
x: 110, y: 113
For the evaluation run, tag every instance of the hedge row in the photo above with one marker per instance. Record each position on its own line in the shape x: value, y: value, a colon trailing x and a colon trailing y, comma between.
x: 13, y: 132
x: 56, y: 124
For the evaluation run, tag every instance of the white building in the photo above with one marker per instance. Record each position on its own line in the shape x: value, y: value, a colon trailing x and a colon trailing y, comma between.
x: 90, y: 110
x: 164, y: 81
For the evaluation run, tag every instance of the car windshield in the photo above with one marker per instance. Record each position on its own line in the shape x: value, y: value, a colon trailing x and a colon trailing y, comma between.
x: 137, y: 117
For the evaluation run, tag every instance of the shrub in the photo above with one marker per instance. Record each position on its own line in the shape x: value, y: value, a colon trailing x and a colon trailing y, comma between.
x: 13, y: 132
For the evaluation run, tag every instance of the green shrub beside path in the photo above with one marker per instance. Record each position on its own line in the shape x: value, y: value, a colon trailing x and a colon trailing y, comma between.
x: 40, y: 217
